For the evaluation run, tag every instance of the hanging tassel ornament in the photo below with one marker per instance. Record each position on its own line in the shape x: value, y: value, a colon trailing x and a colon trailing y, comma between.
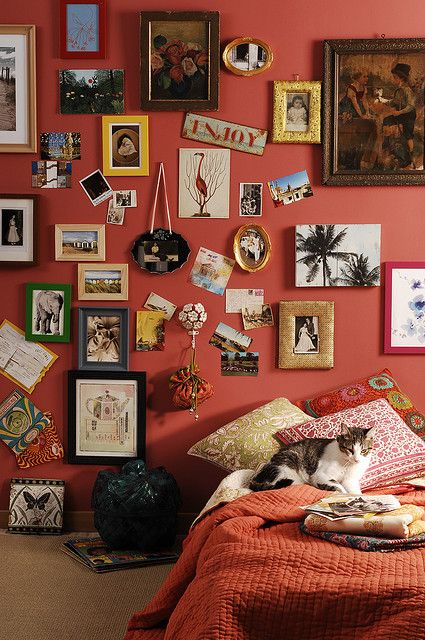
x: 190, y: 390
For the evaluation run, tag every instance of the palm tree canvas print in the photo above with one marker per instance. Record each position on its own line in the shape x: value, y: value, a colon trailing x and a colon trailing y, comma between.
x: 338, y: 255
x: 204, y: 182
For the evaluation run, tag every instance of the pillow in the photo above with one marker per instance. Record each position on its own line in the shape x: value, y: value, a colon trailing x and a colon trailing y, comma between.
x: 398, y: 453
x: 381, y: 385
x: 248, y: 441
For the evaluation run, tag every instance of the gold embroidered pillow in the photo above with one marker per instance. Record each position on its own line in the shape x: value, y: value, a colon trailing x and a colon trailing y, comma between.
x: 249, y: 440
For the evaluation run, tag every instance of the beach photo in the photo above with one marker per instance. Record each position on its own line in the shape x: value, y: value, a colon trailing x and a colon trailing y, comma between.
x: 157, y: 303
x: 83, y: 242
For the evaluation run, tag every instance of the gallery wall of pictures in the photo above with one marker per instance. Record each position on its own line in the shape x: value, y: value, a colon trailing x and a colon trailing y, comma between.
x: 84, y: 264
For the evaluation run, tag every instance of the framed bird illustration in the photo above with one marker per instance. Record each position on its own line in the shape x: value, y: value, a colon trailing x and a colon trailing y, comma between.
x: 204, y: 182
x: 36, y: 505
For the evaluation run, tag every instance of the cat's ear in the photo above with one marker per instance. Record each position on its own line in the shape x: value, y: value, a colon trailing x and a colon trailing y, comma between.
x: 371, y: 432
x: 345, y: 429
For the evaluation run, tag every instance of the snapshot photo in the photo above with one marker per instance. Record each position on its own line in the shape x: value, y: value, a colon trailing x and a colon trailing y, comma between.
x: 79, y: 244
x: 256, y: 316
x: 12, y: 227
x: 251, y: 199
x: 125, y: 198
x: 211, y: 271
x: 290, y: 188
x: 306, y: 334
x: 157, y: 303
x: 240, y: 363
x: 115, y: 215
x: 61, y: 145
x: 226, y: 338
x: 96, y: 187
x: 297, y: 111
x: 103, y: 338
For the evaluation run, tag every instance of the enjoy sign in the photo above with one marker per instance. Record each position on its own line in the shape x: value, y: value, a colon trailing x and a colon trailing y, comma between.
x: 224, y: 134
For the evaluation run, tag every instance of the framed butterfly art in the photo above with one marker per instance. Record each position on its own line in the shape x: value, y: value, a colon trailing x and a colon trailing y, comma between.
x: 36, y: 505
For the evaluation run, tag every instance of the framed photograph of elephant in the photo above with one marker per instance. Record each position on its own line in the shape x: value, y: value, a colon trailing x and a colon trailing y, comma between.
x: 48, y: 312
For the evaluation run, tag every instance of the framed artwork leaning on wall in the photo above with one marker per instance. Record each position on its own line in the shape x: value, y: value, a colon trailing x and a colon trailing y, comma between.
x: 18, y: 229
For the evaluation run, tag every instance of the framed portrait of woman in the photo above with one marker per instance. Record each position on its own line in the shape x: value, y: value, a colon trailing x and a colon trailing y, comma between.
x: 125, y: 142
x: 373, y: 112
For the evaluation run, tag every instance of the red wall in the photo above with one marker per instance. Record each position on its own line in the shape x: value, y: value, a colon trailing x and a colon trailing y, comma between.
x: 295, y: 34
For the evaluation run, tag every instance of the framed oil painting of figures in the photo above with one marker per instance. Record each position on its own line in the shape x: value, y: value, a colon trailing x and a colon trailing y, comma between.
x: 18, y: 230
x: 18, y: 113
x: 404, y: 307
x: 296, y: 111
x: 82, y: 29
x: 125, y: 145
x: 103, y: 338
x: 373, y: 112
x: 180, y: 60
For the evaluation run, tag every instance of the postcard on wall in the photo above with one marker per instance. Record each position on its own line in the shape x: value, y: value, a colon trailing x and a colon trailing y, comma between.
x: 236, y: 299
x: 23, y: 362
x: 204, y: 183
x: 124, y: 198
x: 157, y: 303
x: 91, y: 91
x: 60, y: 145
x: 211, y: 271
x: 239, y: 363
x: 290, y: 188
x: 20, y: 421
x: 226, y: 338
x: 96, y: 187
x: 255, y: 316
x: 51, y: 174
x: 115, y: 215
x: 150, y: 331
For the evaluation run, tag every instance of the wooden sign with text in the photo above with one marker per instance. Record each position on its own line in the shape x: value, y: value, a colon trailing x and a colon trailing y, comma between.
x: 224, y: 134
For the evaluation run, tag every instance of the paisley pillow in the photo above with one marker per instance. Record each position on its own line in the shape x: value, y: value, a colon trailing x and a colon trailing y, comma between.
x: 249, y: 441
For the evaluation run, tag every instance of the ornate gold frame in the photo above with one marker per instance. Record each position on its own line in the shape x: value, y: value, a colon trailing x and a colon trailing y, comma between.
x: 280, y: 90
x: 288, y: 311
x: 252, y: 72
x: 237, y: 247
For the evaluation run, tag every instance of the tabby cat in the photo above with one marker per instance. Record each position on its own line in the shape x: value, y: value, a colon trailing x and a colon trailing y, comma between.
x: 329, y: 464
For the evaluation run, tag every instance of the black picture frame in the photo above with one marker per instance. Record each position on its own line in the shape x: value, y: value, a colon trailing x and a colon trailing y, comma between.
x: 99, y: 378
x: 150, y: 259
x: 104, y: 339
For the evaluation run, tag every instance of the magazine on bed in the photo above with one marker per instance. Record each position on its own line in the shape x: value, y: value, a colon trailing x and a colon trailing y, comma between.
x: 346, y: 505
x: 97, y: 556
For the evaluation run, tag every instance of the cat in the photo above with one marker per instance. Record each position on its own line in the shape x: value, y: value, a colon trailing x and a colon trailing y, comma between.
x: 328, y: 464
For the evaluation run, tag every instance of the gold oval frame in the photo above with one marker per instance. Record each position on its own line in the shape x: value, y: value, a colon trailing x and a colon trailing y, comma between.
x: 252, y: 72
x: 237, y: 249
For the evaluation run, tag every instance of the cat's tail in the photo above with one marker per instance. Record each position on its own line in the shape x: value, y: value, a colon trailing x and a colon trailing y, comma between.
x: 266, y: 479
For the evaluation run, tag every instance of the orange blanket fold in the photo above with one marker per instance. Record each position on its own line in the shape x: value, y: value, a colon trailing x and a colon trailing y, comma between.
x: 248, y: 573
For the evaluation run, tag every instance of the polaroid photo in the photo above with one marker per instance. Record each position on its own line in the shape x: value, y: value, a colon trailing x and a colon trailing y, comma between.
x: 236, y: 299
x: 96, y: 187
x: 226, y: 338
x: 239, y: 363
x: 260, y: 315
x: 115, y: 215
x: 125, y: 198
x: 156, y: 303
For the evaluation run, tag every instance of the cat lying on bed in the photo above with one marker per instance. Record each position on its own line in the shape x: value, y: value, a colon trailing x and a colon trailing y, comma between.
x: 329, y: 464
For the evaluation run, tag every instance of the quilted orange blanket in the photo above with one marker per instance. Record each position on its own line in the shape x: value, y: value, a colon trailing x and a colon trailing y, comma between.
x: 248, y: 573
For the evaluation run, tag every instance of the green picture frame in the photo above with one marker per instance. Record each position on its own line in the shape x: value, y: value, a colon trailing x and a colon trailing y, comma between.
x: 48, y: 317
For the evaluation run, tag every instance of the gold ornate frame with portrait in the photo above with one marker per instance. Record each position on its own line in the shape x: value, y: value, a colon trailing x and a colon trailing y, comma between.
x: 281, y: 90
x: 241, y: 254
x: 227, y: 54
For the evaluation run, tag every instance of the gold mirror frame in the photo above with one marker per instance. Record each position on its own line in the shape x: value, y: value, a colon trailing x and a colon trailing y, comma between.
x: 237, y: 249
x: 251, y: 72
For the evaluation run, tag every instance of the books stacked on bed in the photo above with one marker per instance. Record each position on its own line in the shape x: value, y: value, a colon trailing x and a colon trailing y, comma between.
x: 338, y: 507
x: 97, y: 556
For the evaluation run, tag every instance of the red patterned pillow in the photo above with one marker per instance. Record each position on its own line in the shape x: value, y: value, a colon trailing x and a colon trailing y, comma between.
x: 380, y: 385
x: 398, y: 454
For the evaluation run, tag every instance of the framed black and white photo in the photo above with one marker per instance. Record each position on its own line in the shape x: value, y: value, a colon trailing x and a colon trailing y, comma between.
x: 252, y: 247
x: 96, y: 187
x: 103, y: 338
x: 18, y: 229
x: 48, y: 312
x: 306, y: 334
x: 124, y: 198
x: 250, y: 199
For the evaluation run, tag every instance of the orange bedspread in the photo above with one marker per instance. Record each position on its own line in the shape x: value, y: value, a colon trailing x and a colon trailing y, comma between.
x: 248, y: 573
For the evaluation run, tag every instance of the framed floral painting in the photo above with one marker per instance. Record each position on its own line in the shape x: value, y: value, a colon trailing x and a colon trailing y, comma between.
x: 404, y: 307
x: 180, y: 58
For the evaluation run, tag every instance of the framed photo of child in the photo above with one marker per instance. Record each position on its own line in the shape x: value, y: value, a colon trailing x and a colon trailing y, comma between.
x: 373, y: 113
x: 296, y: 111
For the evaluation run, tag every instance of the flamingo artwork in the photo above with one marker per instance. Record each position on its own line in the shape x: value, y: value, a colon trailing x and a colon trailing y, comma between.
x: 201, y: 185
x: 205, y: 176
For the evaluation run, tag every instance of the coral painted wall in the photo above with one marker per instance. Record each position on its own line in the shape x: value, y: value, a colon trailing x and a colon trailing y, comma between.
x: 295, y: 34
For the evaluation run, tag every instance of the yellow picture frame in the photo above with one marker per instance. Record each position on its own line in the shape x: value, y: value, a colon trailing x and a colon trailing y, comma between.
x: 296, y: 131
x: 125, y: 144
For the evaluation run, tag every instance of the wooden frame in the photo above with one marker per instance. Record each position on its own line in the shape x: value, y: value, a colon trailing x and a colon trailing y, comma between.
x: 256, y: 256
x: 227, y: 54
x: 298, y: 129
x: 125, y: 162
x: 378, y: 147
x: 321, y: 357
x: 106, y: 400
x: 48, y: 313
x: 182, y: 89
x: 26, y: 205
x: 102, y: 289
x: 404, y: 303
x: 23, y: 137
x: 104, y: 340
x: 80, y: 253
x: 84, y: 31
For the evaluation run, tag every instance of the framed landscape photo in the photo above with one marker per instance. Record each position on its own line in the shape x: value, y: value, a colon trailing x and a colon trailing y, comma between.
x: 180, y: 60
x: 82, y: 29
x: 373, y: 112
x: 102, y: 281
x: 404, y: 307
x: 103, y: 338
x: 18, y: 230
x: 18, y: 108
x: 306, y: 335
x: 252, y: 247
x: 85, y: 242
x: 296, y: 111
x: 125, y: 145
x: 106, y: 416
x: 48, y: 312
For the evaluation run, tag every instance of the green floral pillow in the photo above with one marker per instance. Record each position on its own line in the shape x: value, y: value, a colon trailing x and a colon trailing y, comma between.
x: 249, y: 440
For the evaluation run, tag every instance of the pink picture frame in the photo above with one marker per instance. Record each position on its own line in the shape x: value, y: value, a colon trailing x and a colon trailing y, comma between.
x: 82, y: 29
x: 404, y: 307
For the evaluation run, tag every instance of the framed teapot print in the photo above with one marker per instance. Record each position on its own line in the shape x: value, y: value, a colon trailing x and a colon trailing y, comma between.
x: 106, y: 416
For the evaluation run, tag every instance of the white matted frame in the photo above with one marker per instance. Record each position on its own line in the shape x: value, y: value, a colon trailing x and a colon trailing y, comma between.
x: 18, y: 229
x: 67, y: 249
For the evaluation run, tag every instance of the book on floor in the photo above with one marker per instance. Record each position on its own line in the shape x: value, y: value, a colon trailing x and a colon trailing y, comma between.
x: 95, y: 554
x: 337, y: 507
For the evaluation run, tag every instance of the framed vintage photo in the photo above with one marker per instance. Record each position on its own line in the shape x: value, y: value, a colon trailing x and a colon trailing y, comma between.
x: 125, y: 145
x: 180, y: 60
x: 107, y: 416
x: 75, y: 242
x: 82, y: 29
x: 102, y: 281
x: 252, y: 247
x: 373, y: 115
x: 160, y: 251
x: 103, y: 338
x: 250, y: 199
x: 48, y: 312
x: 296, y: 111
x: 404, y: 307
x: 247, y: 56
x: 18, y: 107
x: 18, y: 229
x: 306, y: 335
